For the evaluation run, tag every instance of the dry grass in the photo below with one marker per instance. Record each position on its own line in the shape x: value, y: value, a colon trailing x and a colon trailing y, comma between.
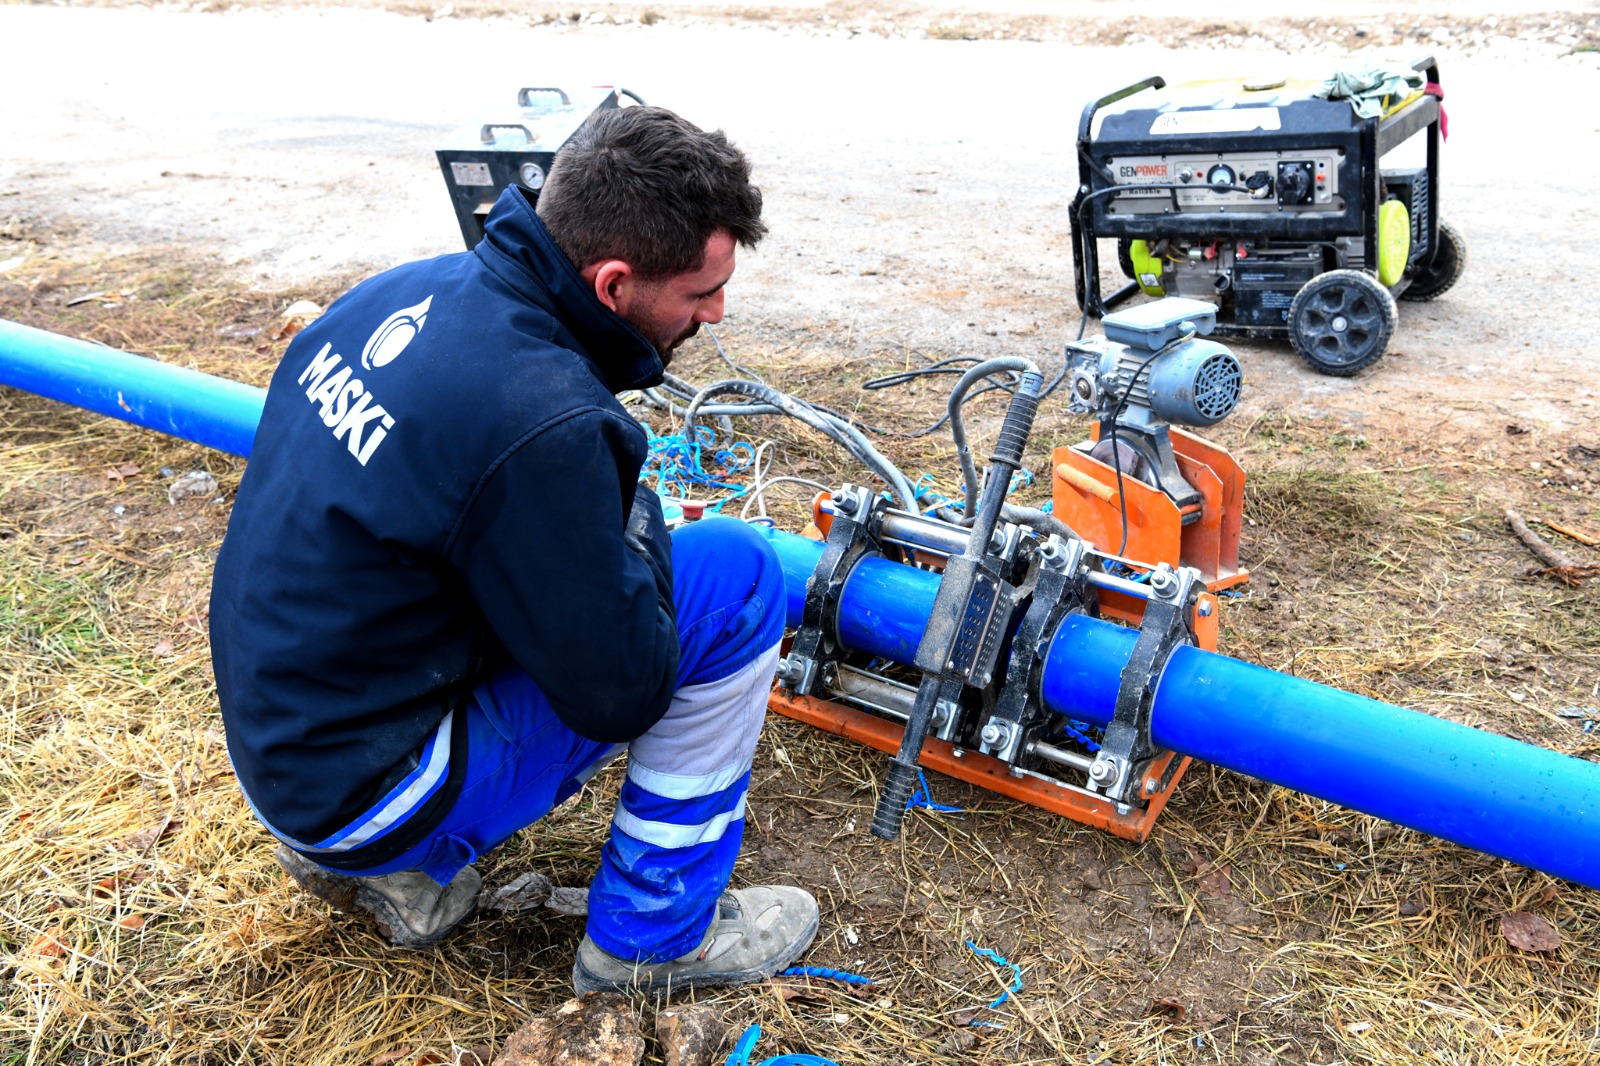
x: 143, y: 920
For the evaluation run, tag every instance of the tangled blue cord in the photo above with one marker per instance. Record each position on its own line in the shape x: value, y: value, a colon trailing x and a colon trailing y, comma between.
x: 923, y: 797
x: 747, y: 1046
x: 923, y: 491
x: 1128, y: 573
x: 999, y: 960
x: 674, y: 464
x: 1075, y: 731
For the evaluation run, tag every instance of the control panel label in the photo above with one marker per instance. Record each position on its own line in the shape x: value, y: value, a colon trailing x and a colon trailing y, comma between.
x: 1229, y: 120
x: 471, y: 173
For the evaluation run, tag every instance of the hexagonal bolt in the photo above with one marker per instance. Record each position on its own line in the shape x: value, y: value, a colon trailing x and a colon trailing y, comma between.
x: 790, y: 669
x: 1163, y: 581
x: 1103, y: 772
x: 995, y: 734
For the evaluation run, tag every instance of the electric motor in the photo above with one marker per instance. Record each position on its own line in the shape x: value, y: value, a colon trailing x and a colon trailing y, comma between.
x: 1153, y: 360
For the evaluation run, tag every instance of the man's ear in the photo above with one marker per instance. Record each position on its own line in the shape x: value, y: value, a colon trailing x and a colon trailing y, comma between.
x: 613, y: 281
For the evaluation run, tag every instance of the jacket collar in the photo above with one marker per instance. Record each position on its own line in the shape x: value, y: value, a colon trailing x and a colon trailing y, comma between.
x: 519, y: 250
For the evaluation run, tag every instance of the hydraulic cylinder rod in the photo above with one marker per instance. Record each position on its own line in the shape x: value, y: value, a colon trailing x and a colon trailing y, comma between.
x: 185, y: 403
x: 1517, y: 801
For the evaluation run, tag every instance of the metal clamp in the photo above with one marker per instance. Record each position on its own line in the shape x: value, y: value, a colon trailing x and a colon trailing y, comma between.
x: 1126, y: 748
x: 856, y: 512
x: 1058, y: 591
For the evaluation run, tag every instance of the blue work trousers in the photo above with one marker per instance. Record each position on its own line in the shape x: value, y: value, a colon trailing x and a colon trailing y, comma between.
x: 679, y: 821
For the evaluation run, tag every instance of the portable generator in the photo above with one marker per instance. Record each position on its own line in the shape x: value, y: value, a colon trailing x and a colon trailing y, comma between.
x: 1270, y: 202
x: 484, y: 160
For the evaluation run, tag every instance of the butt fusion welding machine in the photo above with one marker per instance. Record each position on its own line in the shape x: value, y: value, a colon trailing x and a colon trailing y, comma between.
x: 1154, y: 518
x: 1270, y: 202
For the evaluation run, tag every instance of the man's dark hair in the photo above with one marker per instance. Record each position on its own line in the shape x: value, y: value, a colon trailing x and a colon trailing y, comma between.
x: 645, y: 186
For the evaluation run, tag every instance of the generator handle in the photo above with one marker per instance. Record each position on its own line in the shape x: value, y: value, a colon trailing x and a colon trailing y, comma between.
x: 486, y: 135
x: 524, y: 94
x: 1155, y: 82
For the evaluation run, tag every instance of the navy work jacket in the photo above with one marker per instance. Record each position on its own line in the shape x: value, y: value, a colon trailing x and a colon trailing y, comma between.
x: 439, y: 486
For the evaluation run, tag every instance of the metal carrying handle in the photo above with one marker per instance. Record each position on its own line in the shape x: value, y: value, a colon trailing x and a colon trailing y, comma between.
x: 526, y: 92
x: 487, y: 133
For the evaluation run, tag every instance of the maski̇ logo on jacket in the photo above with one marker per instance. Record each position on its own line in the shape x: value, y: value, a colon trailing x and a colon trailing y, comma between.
x: 391, y: 338
x: 342, y: 400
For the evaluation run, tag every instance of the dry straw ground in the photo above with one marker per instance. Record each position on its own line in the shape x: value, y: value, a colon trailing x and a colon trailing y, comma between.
x: 142, y: 918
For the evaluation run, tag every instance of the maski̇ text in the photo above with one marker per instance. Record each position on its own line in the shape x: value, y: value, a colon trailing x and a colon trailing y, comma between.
x: 347, y: 407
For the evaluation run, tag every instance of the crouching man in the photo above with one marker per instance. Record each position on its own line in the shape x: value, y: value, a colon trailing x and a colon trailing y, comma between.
x: 444, y: 601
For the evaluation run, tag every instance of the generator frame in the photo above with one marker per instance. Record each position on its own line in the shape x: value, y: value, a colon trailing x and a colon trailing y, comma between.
x: 1360, y: 182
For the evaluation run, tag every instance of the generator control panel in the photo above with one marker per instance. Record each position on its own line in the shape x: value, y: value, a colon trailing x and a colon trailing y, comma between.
x: 1297, y: 180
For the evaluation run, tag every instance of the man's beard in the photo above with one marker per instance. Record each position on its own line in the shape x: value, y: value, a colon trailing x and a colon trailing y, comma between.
x: 669, y: 350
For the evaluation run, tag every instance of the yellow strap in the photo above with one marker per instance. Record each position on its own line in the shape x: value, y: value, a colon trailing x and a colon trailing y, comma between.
x: 1403, y: 104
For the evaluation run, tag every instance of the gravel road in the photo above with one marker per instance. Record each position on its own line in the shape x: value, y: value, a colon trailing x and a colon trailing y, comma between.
x: 917, y: 186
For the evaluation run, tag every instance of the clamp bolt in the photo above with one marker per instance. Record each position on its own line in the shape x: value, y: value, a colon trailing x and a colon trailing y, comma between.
x: 1162, y: 581
x: 994, y: 734
x: 1103, y: 771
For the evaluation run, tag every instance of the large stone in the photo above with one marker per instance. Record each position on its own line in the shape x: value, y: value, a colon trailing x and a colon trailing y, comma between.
x: 690, y: 1035
x: 598, y: 1030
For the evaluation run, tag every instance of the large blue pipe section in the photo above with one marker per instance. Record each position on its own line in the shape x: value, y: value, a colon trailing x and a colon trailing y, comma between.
x: 1514, y: 800
x: 1517, y: 801
x: 199, y: 407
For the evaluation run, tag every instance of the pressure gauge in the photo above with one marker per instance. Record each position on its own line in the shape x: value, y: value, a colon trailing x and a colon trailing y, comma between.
x: 1221, y: 174
x: 533, y: 176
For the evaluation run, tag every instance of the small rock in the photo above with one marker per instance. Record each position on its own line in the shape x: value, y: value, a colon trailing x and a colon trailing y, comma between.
x: 531, y: 890
x: 573, y: 902
x: 526, y: 892
x: 194, y: 483
x: 690, y: 1035
x: 597, y: 1030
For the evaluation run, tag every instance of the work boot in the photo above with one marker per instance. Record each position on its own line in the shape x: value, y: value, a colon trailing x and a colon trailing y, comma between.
x: 757, y: 932
x: 409, y: 907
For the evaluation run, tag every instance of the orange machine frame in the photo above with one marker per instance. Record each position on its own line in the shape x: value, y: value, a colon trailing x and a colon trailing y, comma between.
x: 1084, y: 496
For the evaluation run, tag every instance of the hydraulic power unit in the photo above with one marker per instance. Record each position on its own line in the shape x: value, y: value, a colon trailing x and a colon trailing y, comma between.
x: 482, y: 161
x: 1271, y: 202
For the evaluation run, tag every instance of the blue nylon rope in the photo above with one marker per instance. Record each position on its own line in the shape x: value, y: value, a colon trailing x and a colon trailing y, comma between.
x: 747, y: 1046
x: 923, y: 797
x: 822, y: 971
x: 999, y: 960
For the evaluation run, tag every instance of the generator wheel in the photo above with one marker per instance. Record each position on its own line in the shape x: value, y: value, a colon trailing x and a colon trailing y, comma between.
x: 1449, y: 263
x: 1340, y: 322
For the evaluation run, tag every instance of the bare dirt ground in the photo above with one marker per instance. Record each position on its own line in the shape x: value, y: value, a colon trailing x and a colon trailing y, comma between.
x: 199, y: 168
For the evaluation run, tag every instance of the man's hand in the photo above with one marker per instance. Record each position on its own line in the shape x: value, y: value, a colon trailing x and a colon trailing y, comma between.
x: 646, y: 533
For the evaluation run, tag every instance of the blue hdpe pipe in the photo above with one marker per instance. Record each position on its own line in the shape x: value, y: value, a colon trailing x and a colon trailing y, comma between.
x: 185, y: 403
x: 1513, y: 800
x: 1517, y: 801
